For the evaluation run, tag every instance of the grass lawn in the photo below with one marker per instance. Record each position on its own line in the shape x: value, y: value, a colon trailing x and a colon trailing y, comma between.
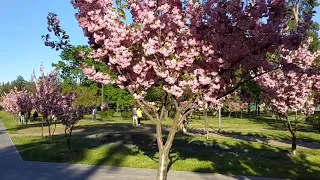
x: 137, y: 149
x: 188, y: 154
x: 259, y: 126
x: 86, y: 124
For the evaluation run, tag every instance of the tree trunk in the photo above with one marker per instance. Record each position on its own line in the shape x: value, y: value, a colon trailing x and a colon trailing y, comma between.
x: 163, y: 164
x: 206, y: 123
x: 55, y: 126
x: 229, y: 114
x: 42, y: 127
x: 49, y: 128
x: 219, y: 119
x: 241, y: 114
x: 69, y: 143
x: 293, y: 130
x: 68, y: 139
x: 166, y: 114
x: 294, y: 143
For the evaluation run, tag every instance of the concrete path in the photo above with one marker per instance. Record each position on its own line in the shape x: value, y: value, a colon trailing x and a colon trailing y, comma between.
x: 12, y: 167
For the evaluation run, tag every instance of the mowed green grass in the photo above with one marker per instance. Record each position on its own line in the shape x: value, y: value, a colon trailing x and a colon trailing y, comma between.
x: 188, y: 154
x: 259, y: 126
x: 34, y: 127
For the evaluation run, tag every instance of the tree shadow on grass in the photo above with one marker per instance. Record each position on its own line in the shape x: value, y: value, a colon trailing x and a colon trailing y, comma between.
x: 188, y: 153
x: 240, y: 158
x: 42, y: 150
x: 243, y: 158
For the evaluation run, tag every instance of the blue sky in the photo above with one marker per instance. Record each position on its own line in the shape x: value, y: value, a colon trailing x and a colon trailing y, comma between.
x: 22, y: 24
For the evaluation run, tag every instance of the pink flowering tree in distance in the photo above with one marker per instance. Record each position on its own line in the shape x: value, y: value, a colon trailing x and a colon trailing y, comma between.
x: 316, y: 89
x: 69, y: 114
x: 51, y: 102
x: 198, y: 52
x: 47, y: 97
x: 9, y: 102
x: 313, y: 103
x: 17, y: 101
x: 290, y: 88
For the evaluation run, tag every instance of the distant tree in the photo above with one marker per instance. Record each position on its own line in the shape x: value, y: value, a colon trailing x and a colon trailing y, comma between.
x: 291, y: 87
x: 69, y: 113
x: 86, y: 96
x: 69, y: 66
x: 5, y: 88
x: 17, y: 101
x: 19, y: 83
x: 118, y: 98
x: 48, y: 96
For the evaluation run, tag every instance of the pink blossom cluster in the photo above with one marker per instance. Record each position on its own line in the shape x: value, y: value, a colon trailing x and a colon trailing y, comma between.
x: 51, y: 101
x: 289, y: 87
x: 244, y: 105
x: 234, y: 106
x: 309, y: 107
x: 183, y: 46
x: 237, y: 106
x: 48, y: 94
x: 316, y: 88
x: 286, y: 90
x: 17, y: 101
x: 69, y: 113
x: 96, y: 76
x: 302, y: 58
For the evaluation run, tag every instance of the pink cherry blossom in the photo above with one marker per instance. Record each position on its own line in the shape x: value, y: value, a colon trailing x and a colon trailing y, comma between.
x: 17, y: 101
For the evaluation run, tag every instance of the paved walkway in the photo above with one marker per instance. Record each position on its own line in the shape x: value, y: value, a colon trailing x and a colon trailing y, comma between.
x: 12, y: 167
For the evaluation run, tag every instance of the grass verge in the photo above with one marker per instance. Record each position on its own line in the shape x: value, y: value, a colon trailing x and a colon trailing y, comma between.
x: 188, y: 154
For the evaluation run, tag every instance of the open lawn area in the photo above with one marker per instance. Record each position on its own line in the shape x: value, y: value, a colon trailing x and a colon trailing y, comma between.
x: 116, y: 143
x: 258, y: 126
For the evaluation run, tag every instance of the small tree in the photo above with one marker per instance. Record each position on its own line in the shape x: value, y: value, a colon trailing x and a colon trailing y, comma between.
x: 70, y: 113
x: 47, y: 97
x: 234, y: 104
x: 17, y: 101
x: 291, y: 87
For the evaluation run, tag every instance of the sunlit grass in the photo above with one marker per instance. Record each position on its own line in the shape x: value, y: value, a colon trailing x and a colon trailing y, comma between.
x: 188, y: 154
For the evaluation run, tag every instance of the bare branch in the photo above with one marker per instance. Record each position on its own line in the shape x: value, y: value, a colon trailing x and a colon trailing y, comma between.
x: 141, y: 104
x: 162, y: 112
x: 155, y: 121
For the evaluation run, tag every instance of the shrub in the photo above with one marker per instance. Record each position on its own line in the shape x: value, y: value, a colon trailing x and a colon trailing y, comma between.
x: 110, y: 112
x: 103, y: 115
x: 172, y: 114
x: 316, y: 123
x: 126, y: 114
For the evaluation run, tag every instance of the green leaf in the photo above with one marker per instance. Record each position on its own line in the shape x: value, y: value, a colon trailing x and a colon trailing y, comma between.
x: 118, y: 2
x: 124, y: 6
x: 122, y: 13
